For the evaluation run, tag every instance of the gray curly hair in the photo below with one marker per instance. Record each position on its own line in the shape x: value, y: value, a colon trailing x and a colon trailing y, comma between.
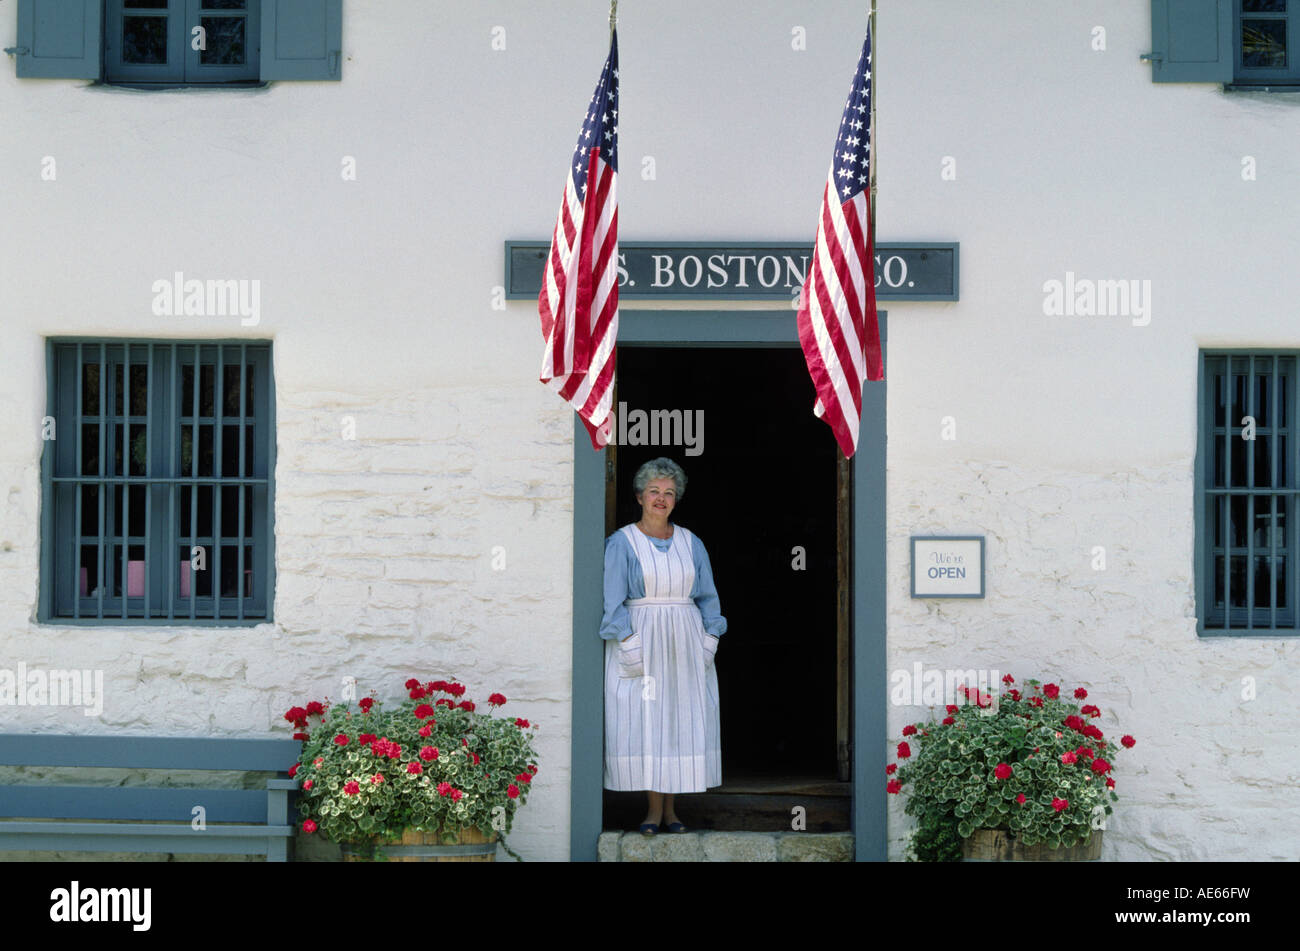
x: 661, y: 468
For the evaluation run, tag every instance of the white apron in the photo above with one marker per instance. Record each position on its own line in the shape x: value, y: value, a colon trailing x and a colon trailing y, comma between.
x: 662, y: 730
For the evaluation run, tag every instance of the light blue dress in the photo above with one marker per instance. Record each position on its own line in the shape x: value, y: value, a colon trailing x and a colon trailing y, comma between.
x: 662, y: 727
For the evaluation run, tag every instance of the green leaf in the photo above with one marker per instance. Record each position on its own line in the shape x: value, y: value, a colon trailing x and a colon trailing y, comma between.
x: 964, y: 829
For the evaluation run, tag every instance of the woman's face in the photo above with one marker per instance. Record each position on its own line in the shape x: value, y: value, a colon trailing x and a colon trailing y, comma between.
x: 658, y: 499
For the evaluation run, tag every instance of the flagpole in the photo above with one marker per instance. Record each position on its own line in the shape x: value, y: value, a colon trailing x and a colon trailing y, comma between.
x: 875, y: 131
x: 613, y: 16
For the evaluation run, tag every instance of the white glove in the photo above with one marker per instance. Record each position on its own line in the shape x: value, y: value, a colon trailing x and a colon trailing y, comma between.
x: 710, y: 648
x: 629, y: 657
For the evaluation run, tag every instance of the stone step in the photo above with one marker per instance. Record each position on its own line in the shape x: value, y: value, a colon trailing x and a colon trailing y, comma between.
x: 726, y: 847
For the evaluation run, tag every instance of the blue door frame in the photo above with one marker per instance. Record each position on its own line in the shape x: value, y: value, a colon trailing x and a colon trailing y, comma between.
x: 870, y: 679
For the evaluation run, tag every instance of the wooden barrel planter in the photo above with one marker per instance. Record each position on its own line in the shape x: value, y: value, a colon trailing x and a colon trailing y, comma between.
x: 470, y: 846
x: 999, y: 845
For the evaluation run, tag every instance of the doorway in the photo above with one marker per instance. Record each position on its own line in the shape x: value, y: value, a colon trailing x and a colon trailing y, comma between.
x: 863, y: 602
x: 763, y: 495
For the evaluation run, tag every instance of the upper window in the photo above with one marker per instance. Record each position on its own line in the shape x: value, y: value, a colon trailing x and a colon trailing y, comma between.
x: 1246, y: 487
x: 157, y: 494
x: 182, y: 41
x: 1262, y: 42
x: 179, y: 42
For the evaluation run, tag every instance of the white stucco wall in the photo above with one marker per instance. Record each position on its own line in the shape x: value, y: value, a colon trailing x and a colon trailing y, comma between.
x: 1072, y: 431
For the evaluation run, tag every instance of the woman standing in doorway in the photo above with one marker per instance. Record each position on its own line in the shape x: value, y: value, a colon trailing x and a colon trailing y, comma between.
x: 661, y: 628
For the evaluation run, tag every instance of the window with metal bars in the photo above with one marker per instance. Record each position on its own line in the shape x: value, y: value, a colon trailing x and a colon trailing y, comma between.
x: 157, y: 483
x: 1246, y: 573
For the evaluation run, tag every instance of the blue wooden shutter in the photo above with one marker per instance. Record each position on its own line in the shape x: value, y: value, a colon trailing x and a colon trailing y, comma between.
x: 60, y: 39
x: 302, y: 39
x: 1191, y: 41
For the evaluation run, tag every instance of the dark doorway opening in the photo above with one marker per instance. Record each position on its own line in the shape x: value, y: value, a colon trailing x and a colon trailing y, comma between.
x: 764, y: 496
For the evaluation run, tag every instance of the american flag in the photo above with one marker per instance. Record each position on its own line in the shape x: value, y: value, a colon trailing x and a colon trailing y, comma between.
x: 837, y: 312
x: 578, y: 302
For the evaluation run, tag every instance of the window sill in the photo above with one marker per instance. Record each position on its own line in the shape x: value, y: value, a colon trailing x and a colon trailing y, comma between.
x: 1261, y: 87
x: 252, y: 84
x: 1240, y: 632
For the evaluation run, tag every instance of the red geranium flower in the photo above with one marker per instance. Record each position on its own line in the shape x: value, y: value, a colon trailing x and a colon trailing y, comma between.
x: 1083, y: 752
x: 1068, y: 758
x: 467, y: 705
x: 893, y: 786
x: 1014, y: 694
x: 315, y: 708
x: 318, y: 760
x: 521, y: 723
x: 365, y: 739
x: 415, y: 769
x: 948, y: 721
x: 1008, y: 679
x: 497, y: 699
x: 1127, y: 741
x: 456, y: 794
x: 1051, y: 691
x: 532, y: 768
x: 1035, y: 701
x: 512, y: 791
x: 296, y: 715
x: 423, y: 710
x: 442, y: 700
x: 426, y: 730
x: 1021, y: 799
x: 416, y: 693
x: 309, y: 826
x: 293, y: 770
x: 1002, y: 771
x: 951, y: 708
x: 444, y: 788
x: 341, y: 739
x: 1100, y: 766
x: 1060, y: 805
x: 308, y: 783
x: 429, y: 753
x: 1080, y: 693
x: 377, y: 778
x: 1110, y: 783
x: 1092, y: 731
x: 909, y: 730
x: 411, y: 684
x: 1090, y: 711
x: 891, y: 769
x: 350, y: 788
x: 366, y: 703
x: 1074, y: 723
x: 522, y: 777
x: 904, y: 751
x: 302, y: 736
x: 456, y: 689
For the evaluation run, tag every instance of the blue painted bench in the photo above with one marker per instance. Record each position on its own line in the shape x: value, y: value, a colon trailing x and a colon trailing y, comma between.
x: 149, y: 818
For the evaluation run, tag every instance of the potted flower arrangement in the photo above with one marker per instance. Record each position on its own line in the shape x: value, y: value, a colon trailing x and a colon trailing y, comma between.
x: 1024, y: 777
x: 431, y: 772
